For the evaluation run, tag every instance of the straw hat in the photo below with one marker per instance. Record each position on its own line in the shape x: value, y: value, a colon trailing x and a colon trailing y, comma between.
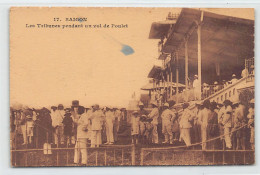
x: 154, y: 103
x: 252, y: 101
x: 140, y: 104
x: 166, y: 105
x: 135, y: 112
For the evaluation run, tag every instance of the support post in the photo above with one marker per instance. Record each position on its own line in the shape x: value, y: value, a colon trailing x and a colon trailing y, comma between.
x: 105, y: 157
x: 133, y: 154
x: 177, y: 76
x: 168, y: 86
x: 186, y: 66
x: 142, y: 157
x: 170, y: 82
x: 199, y: 59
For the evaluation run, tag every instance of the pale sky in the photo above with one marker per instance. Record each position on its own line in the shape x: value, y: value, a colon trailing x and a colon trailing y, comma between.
x: 53, y: 66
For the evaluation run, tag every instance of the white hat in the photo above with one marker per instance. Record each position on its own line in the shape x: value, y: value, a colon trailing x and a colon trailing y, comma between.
x: 140, y: 104
x: 236, y: 102
x: 252, y: 101
x: 233, y: 75
x: 135, y: 112
x: 215, y: 82
x: 154, y: 103
x: 96, y: 106
x: 166, y: 104
x: 195, y: 75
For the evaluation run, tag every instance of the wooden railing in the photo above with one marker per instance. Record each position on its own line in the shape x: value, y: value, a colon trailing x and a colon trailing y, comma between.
x: 114, y: 155
x: 211, y: 156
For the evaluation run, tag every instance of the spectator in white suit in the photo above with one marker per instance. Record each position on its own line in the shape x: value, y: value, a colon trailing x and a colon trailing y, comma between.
x: 154, y: 116
x: 97, y: 120
x: 82, y: 139
x: 109, y: 124
x: 168, y: 117
x: 185, y: 124
x: 57, y: 119
x: 226, y: 121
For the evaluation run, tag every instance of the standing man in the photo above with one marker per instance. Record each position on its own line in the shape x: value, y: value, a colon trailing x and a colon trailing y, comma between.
x: 244, y: 73
x: 135, y: 127
x: 196, y: 124
x: 234, y: 79
x: 252, y: 70
x: 142, y: 116
x: 167, y: 120
x: 154, y: 116
x: 23, y: 125
x: 53, y: 118
x: 82, y: 139
x: 142, y: 111
x: 185, y: 124
x: 227, y: 122
x: 75, y: 116
x: 68, y: 126
x: 117, y: 118
x: 251, y: 119
x: 203, y: 120
x: 196, y: 87
x: 96, y: 118
x: 115, y: 123
x: 109, y: 123
x: 239, y: 120
x: 58, y: 125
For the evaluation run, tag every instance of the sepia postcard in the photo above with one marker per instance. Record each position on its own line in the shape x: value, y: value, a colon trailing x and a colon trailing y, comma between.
x: 131, y: 86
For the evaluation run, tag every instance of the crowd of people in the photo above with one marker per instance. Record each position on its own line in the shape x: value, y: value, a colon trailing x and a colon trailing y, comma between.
x: 61, y: 126
x: 208, y: 125
x: 193, y: 91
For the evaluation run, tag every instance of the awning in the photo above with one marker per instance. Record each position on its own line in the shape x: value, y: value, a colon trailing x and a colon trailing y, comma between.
x: 160, y: 29
x: 155, y: 72
x: 223, y: 37
x: 225, y: 40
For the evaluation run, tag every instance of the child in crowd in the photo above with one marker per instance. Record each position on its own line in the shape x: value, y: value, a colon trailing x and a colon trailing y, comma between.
x: 68, y: 125
x: 29, y: 129
x: 135, y: 127
x: 142, y: 129
x: 148, y: 131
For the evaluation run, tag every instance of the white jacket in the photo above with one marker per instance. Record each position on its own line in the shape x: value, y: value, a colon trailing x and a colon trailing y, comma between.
x: 57, y: 117
x: 83, y: 124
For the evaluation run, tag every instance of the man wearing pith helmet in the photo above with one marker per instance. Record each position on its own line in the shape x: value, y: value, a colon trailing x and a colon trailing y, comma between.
x: 185, y: 124
x: 196, y: 87
x: 109, y: 124
x: 154, y: 116
x: 234, y: 79
x: 226, y: 121
x: 167, y: 119
x: 75, y: 116
x: 58, y: 125
x: 96, y: 118
x: 142, y: 111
